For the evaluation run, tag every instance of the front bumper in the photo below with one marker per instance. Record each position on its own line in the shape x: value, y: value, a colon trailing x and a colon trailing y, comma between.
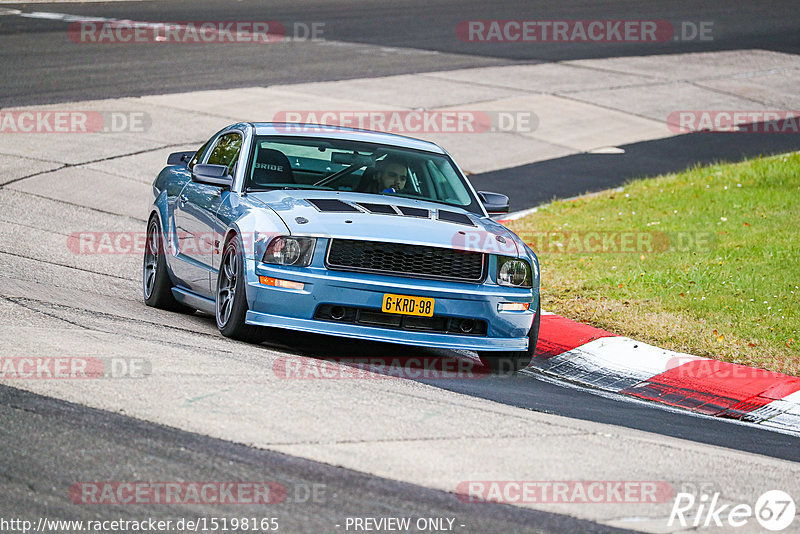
x: 373, y: 333
x: 294, y: 309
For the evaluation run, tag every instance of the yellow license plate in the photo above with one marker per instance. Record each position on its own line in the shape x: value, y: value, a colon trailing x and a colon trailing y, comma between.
x: 405, y: 305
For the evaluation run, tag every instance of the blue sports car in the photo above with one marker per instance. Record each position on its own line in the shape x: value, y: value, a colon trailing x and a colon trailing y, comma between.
x: 342, y: 232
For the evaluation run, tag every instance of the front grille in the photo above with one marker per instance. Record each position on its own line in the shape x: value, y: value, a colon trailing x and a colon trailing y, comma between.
x: 415, y: 261
x: 464, y: 326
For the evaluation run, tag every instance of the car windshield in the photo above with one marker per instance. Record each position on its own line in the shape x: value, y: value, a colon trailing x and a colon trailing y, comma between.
x: 341, y: 165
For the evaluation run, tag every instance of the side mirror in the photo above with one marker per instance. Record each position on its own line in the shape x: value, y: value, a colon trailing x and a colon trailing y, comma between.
x: 212, y: 175
x: 495, y: 203
x: 179, y: 158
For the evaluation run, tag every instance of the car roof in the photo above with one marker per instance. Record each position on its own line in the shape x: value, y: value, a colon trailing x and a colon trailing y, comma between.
x: 322, y: 131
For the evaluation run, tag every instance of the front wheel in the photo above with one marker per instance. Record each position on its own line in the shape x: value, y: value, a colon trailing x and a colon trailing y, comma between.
x: 156, y: 283
x: 231, y: 307
x: 502, y: 362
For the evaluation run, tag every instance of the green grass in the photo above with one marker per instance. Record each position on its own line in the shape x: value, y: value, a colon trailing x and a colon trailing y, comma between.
x: 712, y: 267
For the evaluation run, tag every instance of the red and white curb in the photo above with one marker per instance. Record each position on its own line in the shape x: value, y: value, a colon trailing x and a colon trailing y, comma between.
x: 591, y: 356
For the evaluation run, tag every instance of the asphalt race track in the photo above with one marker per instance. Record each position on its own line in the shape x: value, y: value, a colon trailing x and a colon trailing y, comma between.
x: 318, y: 495
x: 37, y: 67
x: 576, y: 174
x: 211, y: 409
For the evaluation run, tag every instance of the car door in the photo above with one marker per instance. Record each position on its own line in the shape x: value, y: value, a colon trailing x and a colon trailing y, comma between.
x: 195, y: 218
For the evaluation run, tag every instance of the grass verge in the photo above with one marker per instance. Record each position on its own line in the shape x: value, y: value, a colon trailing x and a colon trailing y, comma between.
x: 705, y: 261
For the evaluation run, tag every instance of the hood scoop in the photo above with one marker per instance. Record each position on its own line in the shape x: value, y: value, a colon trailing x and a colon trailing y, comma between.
x: 454, y: 217
x: 332, y: 205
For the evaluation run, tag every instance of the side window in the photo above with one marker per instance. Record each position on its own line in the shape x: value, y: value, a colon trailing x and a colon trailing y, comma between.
x: 226, y: 151
x: 198, y: 155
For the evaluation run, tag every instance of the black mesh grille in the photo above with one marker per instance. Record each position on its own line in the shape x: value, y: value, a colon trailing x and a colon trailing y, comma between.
x: 405, y: 260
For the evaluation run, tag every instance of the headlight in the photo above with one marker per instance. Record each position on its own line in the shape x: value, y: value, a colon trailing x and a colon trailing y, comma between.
x: 296, y: 251
x: 513, y: 272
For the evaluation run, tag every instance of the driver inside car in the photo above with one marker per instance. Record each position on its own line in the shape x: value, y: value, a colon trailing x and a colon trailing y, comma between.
x: 391, y: 175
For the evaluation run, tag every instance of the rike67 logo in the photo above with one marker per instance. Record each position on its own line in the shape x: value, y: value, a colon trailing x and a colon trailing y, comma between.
x: 774, y: 510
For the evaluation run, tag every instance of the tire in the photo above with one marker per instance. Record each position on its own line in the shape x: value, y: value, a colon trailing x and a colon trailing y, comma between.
x: 156, y: 283
x: 231, y: 296
x: 509, y: 362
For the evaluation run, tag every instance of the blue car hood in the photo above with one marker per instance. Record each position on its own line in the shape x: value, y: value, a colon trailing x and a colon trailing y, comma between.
x: 303, y: 217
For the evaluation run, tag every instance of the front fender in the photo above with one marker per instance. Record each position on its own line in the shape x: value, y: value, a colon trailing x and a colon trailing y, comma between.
x: 255, y: 226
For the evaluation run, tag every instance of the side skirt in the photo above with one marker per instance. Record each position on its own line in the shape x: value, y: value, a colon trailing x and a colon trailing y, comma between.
x: 188, y: 298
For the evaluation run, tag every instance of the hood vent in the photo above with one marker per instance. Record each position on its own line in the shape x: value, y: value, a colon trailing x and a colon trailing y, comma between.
x: 414, y: 212
x: 332, y: 205
x: 454, y: 217
x: 378, y: 208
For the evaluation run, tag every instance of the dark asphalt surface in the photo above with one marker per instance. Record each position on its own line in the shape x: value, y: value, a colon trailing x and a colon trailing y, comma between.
x: 39, y: 63
x: 49, y: 445
x: 581, y: 173
x: 534, y: 392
